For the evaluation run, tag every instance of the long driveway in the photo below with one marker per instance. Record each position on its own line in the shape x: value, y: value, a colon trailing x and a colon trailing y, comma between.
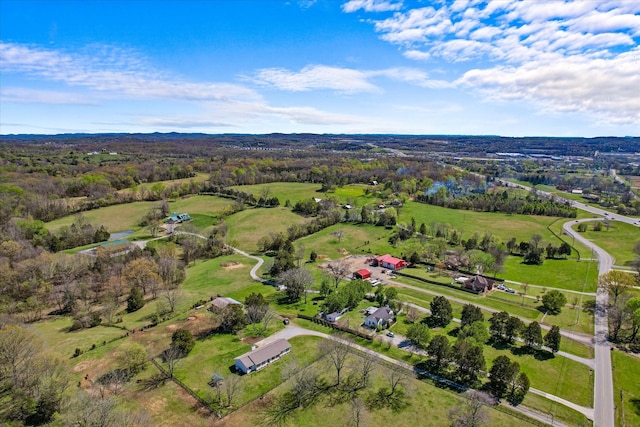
x: 603, y: 385
x: 293, y: 331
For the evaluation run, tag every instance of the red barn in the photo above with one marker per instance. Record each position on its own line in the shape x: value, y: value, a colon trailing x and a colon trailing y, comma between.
x: 362, y: 274
x: 387, y: 261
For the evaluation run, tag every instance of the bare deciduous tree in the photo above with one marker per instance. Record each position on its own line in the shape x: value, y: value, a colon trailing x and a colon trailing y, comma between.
x: 364, y: 366
x: 172, y: 296
x: 337, y: 270
x: 232, y: 387
x: 359, y: 413
x: 335, y: 352
x: 397, y: 378
x: 267, y: 318
x: 472, y: 411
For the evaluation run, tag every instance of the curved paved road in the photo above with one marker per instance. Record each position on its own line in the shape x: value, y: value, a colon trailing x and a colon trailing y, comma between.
x: 603, y: 385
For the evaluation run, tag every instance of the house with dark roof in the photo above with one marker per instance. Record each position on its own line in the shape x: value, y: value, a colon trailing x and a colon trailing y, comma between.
x: 262, y: 356
x: 478, y: 284
x: 382, y: 317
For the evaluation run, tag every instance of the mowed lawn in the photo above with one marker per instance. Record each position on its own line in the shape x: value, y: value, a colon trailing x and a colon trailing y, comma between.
x: 581, y: 276
x: 248, y: 226
x: 57, y: 337
x: 626, y: 385
x: 356, y: 239
x: 216, y: 353
x: 618, y: 240
x: 502, y: 226
x: 114, y: 218
x: 292, y: 191
x: 428, y: 405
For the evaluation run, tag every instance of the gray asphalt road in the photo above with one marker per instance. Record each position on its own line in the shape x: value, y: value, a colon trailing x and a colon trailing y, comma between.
x: 604, y: 409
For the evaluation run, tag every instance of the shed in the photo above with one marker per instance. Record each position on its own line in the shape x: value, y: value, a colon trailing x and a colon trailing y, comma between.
x: 220, y: 303
x: 263, y: 356
x: 362, y: 274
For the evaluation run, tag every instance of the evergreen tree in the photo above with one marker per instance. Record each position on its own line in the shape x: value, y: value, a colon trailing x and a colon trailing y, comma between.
x: 470, y: 361
x: 552, y: 339
x: 182, y: 339
x: 498, y: 324
x: 441, y: 312
x: 135, y: 301
x: 501, y: 376
x: 439, y: 349
x: 513, y: 328
x: 470, y: 314
x: 532, y: 335
x: 519, y: 389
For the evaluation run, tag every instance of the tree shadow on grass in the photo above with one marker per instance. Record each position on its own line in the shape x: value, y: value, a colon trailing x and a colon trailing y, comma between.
x: 635, y: 403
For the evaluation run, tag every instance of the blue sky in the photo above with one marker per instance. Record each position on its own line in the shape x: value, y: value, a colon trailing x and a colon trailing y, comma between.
x: 513, y: 68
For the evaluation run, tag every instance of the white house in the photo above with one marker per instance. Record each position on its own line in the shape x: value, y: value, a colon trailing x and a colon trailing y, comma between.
x: 379, y: 318
x: 263, y: 356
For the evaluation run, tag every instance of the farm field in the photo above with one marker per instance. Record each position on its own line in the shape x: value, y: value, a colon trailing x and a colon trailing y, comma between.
x: 567, y: 274
x: 618, y: 240
x: 503, y: 226
x: 292, y: 191
x: 248, y: 226
x: 229, y: 276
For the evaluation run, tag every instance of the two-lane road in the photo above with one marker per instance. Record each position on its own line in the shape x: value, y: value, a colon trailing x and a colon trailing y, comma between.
x: 604, y: 411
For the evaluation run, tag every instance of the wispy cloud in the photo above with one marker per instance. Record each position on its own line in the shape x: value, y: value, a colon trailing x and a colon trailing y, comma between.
x: 316, y: 77
x: 34, y: 96
x: 372, y: 5
x: 111, y: 70
x: 563, y: 56
x: 342, y: 80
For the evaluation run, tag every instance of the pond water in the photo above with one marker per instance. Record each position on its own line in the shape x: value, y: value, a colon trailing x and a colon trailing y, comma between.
x: 120, y: 235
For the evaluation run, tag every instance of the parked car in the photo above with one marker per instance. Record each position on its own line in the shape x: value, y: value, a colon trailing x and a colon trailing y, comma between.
x: 390, y: 334
x: 511, y: 291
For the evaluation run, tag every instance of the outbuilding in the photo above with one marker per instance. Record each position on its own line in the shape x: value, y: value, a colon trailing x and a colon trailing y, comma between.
x: 362, y: 274
x: 392, y: 263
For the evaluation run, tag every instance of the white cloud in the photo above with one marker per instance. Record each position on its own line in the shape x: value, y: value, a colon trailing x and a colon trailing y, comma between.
x: 33, y: 96
x: 417, y: 55
x: 184, y: 123
x: 342, y: 80
x: 371, y: 5
x: 113, y: 71
x: 560, y: 55
x: 317, y: 77
x: 606, y: 88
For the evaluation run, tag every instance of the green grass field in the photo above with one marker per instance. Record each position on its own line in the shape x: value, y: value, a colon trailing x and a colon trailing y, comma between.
x: 216, y: 354
x: 425, y: 399
x: 248, y: 226
x: 566, y: 373
x: 618, y: 240
x: 502, y: 226
x: 568, y: 274
x: 626, y: 388
x: 292, y: 191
